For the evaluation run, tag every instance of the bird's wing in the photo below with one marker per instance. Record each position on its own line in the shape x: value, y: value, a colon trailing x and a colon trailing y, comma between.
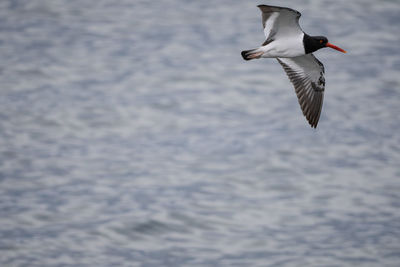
x: 307, y: 75
x: 279, y: 21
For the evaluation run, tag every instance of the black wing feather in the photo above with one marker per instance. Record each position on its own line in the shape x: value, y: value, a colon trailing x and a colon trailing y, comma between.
x: 309, y: 85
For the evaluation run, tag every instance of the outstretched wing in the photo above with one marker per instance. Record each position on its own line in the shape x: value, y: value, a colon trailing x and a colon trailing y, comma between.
x: 279, y: 21
x: 307, y: 75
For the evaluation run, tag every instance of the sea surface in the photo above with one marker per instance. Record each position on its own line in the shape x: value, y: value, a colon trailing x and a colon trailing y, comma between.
x: 132, y: 133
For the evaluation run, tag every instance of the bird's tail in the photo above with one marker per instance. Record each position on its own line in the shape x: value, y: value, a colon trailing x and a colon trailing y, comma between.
x: 251, y: 54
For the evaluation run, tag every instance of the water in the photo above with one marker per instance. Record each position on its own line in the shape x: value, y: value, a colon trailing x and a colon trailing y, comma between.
x: 132, y: 133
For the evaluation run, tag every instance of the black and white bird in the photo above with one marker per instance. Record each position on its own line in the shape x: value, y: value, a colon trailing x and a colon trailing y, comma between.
x: 293, y: 49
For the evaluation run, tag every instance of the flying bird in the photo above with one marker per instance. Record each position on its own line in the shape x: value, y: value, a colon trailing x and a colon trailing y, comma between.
x: 293, y: 49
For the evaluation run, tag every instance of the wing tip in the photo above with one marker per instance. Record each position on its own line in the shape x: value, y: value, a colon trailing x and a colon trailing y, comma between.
x: 267, y: 8
x: 312, y: 122
x: 264, y: 8
x: 314, y: 125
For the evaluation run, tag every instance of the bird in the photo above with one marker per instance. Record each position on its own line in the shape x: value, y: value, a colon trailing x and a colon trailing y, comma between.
x: 293, y: 48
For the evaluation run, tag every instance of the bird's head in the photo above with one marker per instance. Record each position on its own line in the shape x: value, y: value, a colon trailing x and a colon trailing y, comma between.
x: 313, y: 43
x: 324, y: 42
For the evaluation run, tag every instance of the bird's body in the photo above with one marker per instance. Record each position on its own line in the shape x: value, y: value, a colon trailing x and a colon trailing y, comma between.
x: 293, y: 49
x: 285, y: 47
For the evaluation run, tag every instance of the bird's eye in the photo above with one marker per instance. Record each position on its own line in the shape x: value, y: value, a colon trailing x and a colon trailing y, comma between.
x: 321, y: 41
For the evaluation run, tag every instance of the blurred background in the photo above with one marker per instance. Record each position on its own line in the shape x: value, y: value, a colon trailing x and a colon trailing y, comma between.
x: 133, y: 133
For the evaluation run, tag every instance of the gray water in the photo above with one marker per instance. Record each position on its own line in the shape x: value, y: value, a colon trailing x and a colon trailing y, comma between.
x: 132, y: 133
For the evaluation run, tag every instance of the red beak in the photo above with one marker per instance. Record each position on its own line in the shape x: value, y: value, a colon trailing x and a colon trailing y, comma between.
x: 335, y: 47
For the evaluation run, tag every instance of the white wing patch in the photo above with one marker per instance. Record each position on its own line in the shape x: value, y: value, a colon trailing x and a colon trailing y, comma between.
x: 307, y: 75
x: 269, y: 29
x: 280, y: 21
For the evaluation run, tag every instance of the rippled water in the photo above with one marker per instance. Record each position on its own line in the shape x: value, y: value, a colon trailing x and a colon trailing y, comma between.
x: 133, y: 133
